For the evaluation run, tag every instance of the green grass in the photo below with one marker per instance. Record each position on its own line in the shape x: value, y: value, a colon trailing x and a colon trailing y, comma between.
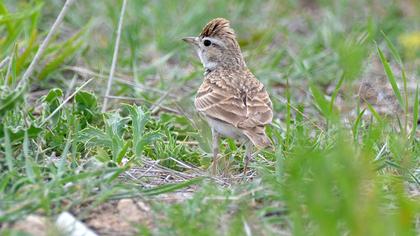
x: 333, y: 171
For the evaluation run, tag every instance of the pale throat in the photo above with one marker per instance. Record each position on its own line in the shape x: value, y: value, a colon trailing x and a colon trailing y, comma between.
x: 208, y: 65
x: 232, y: 62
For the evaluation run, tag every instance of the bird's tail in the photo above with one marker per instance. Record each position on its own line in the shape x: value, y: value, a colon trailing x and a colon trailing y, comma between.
x: 259, y: 140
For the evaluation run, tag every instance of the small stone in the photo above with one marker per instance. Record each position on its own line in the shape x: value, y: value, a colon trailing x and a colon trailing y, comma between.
x: 128, y: 211
x: 135, y: 212
x: 72, y: 226
x: 33, y: 225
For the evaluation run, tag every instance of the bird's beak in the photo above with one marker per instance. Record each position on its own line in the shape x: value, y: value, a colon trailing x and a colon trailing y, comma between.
x: 191, y: 40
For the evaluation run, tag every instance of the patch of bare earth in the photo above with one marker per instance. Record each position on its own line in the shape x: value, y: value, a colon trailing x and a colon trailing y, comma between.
x: 120, y: 217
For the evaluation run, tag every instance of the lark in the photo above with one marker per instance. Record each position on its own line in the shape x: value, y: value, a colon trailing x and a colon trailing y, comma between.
x: 234, y: 103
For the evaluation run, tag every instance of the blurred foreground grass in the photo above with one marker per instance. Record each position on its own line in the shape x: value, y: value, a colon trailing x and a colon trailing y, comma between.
x: 341, y: 165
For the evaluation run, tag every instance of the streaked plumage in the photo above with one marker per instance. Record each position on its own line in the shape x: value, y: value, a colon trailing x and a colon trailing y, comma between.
x: 234, y: 102
x: 237, y: 99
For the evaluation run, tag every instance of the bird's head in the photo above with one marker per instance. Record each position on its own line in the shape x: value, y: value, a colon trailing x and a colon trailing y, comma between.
x: 216, y: 45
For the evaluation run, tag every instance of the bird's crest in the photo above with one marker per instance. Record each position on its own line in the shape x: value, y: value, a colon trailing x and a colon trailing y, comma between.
x: 218, y: 27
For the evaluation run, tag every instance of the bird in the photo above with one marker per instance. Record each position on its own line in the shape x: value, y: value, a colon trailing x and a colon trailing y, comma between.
x: 232, y: 100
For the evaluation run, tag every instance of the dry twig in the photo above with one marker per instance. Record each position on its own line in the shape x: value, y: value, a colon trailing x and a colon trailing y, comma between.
x: 44, y: 43
x: 114, y: 57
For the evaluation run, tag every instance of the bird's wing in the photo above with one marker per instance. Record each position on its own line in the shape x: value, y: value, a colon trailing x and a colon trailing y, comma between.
x: 259, y: 110
x: 245, y: 105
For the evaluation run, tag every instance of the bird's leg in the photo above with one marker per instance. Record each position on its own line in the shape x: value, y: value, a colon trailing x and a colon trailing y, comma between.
x: 248, y: 155
x: 215, y: 138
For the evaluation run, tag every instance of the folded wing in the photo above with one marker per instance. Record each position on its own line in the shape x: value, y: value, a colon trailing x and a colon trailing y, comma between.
x: 241, y: 103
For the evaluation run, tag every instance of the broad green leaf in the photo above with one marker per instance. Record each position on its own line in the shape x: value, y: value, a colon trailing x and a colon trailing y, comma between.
x: 86, y: 105
x: 122, y: 152
x: 85, y: 100
x: 17, y: 134
x: 114, y: 128
x: 139, y: 119
x: 52, y: 101
x: 92, y: 136
x: 53, y: 95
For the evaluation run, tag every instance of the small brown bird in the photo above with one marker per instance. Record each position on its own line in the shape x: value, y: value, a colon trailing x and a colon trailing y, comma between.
x: 233, y: 101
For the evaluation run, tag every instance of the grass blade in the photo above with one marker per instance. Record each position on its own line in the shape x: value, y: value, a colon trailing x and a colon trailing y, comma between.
x: 391, y: 77
x: 11, y: 100
x: 392, y: 48
x: 336, y: 91
x: 8, y: 149
x: 356, y: 125
x: 63, y: 158
x: 172, y: 187
x: 374, y: 112
x: 29, y: 165
x: 323, y: 104
x: 44, y: 44
x: 415, y: 114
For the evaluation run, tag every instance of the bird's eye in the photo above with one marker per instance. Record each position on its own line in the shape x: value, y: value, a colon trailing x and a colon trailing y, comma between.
x: 207, y: 42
